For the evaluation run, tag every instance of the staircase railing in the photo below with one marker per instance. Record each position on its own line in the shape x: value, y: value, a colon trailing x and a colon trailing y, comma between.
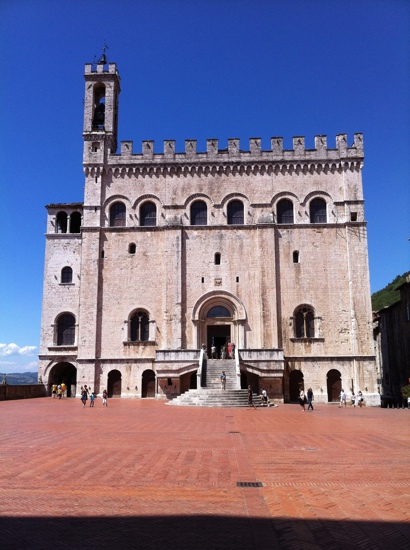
x: 202, y: 357
x: 237, y: 370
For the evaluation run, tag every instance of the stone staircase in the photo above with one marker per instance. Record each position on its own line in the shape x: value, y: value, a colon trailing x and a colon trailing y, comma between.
x: 212, y: 395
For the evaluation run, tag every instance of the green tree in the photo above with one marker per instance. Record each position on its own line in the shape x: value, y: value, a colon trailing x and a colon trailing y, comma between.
x: 388, y: 295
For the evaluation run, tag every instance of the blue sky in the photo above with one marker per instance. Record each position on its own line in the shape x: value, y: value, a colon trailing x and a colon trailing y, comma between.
x: 195, y: 70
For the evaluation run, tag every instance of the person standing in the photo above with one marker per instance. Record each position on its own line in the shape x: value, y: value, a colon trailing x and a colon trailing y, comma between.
x: 342, y: 398
x: 84, y: 395
x: 360, y: 399
x: 59, y: 391
x: 54, y: 390
x: 223, y: 380
x: 353, y: 399
x: 250, y: 398
x: 223, y: 352
x: 302, y: 399
x: 310, y: 398
x: 233, y: 350
x: 64, y: 388
x: 104, y: 398
x: 213, y: 351
x: 264, y: 398
x: 92, y: 397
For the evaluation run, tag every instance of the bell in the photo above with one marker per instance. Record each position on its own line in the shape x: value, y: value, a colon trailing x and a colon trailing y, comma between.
x: 99, y: 116
x: 103, y: 60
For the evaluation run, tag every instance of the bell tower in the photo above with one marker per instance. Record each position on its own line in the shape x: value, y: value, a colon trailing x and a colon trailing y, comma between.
x: 100, y: 131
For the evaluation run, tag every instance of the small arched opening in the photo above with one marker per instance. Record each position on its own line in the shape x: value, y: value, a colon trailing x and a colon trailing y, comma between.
x: 148, y: 383
x: 296, y: 382
x: 334, y: 385
x: 114, y: 383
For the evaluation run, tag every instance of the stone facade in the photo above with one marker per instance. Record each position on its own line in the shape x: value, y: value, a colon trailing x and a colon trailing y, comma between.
x: 263, y: 248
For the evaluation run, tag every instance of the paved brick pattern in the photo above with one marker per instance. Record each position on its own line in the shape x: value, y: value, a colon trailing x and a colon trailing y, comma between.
x: 141, y: 474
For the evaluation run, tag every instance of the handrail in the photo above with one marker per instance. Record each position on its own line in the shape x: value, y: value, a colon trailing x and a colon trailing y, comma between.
x: 202, y: 356
x: 237, y: 370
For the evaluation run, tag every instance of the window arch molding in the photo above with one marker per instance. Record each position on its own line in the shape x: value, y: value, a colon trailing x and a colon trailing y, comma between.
x: 148, y: 197
x: 304, y: 322
x: 141, y: 327
x: 148, y: 214
x: 66, y: 275
x: 229, y: 199
x: 285, y: 211
x: 65, y: 329
x: 110, y: 202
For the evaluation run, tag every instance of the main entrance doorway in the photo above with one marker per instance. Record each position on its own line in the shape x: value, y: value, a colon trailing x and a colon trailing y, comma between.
x: 218, y: 336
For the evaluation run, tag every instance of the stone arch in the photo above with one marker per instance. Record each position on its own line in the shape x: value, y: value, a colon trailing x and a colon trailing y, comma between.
x: 296, y: 381
x: 63, y: 372
x: 334, y: 385
x: 114, y: 383
x: 148, y: 382
x: 235, y: 323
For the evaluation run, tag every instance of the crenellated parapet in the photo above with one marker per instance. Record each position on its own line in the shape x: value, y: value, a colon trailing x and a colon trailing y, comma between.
x: 214, y: 158
x: 232, y: 160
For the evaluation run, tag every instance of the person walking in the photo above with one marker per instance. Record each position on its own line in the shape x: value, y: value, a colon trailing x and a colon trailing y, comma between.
x: 302, y: 399
x: 92, y: 397
x: 223, y: 380
x: 310, y: 398
x: 250, y: 398
x: 360, y: 399
x: 264, y: 398
x: 84, y: 395
x: 342, y: 398
x: 213, y: 352
x: 104, y: 398
x: 353, y: 399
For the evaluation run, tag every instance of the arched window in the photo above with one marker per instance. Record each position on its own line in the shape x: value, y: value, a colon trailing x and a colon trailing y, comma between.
x: 304, y: 322
x: 66, y: 330
x: 317, y: 210
x: 199, y: 213
x: 219, y: 311
x: 66, y: 275
x: 99, y: 107
x: 217, y: 260
x: 75, y: 222
x: 139, y: 327
x: 61, y: 225
x: 132, y: 248
x: 285, y: 211
x: 148, y: 214
x: 117, y: 215
x: 235, y: 213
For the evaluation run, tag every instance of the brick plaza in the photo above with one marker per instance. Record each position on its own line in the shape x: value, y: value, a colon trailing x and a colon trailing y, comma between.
x: 142, y: 474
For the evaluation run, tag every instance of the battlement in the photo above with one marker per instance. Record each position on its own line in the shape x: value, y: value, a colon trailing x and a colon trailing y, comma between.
x: 233, y: 152
x: 100, y: 68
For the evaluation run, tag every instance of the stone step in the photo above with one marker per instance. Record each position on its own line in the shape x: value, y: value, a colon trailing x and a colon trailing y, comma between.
x: 215, y: 398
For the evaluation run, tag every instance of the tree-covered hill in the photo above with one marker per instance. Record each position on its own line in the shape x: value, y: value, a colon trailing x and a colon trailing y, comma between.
x: 388, y: 295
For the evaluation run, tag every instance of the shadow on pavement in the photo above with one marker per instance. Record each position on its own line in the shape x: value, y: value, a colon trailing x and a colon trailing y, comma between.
x: 199, y: 533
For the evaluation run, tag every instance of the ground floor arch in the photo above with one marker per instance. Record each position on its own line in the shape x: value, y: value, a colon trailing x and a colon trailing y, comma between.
x: 63, y: 373
x: 334, y: 385
x: 114, y: 383
x: 148, y: 383
x: 296, y: 382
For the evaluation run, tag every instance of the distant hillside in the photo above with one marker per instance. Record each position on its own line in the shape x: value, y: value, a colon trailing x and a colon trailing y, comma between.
x: 388, y: 295
x: 18, y: 378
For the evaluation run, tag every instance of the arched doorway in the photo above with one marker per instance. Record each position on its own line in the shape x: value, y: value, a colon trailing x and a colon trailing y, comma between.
x: 114, y: 383
x: 334, y: 385
x: 295, y: 383
x: 63, y: 373
x: 148, y: 383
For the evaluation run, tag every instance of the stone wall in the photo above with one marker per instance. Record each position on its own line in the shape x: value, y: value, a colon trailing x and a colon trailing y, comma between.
x: 9, y: 392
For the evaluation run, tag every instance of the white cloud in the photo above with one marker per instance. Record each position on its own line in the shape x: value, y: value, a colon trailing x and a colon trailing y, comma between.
x: 13, y: 349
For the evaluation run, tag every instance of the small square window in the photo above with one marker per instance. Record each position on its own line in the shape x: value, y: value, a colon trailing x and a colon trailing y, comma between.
x: 353, y: 216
